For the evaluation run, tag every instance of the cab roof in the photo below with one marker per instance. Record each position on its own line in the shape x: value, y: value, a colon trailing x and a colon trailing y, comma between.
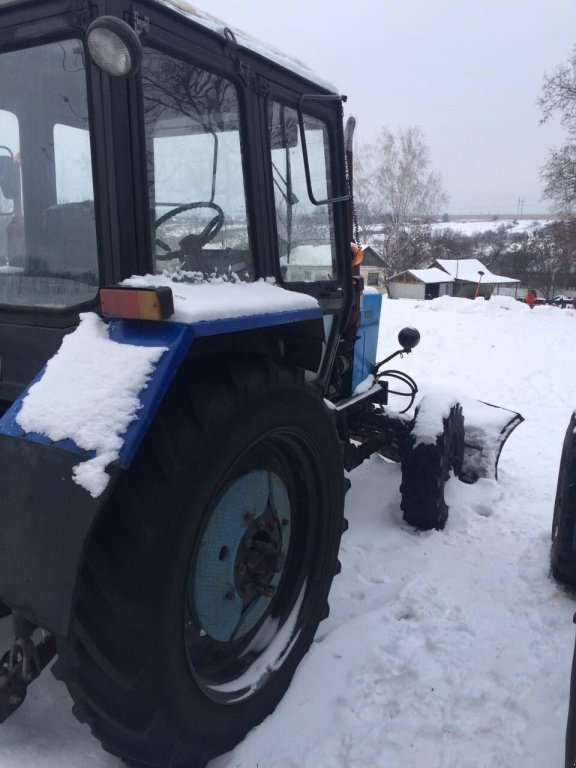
x: 247, y: 41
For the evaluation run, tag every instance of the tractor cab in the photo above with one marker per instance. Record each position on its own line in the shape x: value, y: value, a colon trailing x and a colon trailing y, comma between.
x: 150, y: 139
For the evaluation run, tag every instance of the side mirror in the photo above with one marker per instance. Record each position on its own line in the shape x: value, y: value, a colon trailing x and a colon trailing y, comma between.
x: 283, y: 127
x: 408, y: 338
x: 8, y: 179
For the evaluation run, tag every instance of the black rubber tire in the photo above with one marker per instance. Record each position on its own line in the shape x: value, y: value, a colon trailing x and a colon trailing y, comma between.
x: 425, y: 469
x: 563, y: 553
x: 126, y: 663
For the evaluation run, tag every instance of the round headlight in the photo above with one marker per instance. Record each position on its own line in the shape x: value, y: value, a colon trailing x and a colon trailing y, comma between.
x: 114, y: 46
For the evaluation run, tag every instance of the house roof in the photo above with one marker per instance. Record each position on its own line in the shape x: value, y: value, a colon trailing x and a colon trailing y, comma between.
x: 430, y: 275
x: 467, y: 270
x: 372, y: 257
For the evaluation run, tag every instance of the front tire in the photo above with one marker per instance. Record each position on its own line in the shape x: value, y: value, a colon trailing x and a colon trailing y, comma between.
x: 210, y: 569
x: 563, y: 551
x: 425, y: 469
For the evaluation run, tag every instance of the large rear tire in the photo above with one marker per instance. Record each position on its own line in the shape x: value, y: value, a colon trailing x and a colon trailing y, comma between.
x: 563, y: 552
x: 210, y: 569
x: 425, y: 469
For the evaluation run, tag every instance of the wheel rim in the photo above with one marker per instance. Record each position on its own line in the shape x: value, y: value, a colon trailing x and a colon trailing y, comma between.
x: 246, y: 589
x: 242, y: 556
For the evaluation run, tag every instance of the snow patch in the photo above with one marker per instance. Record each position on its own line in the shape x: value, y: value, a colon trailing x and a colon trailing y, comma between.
x: 432, y: 410
x: 479, y: 306
x: 89, y: 394
x: 219, y: 299
x: 365, y: 385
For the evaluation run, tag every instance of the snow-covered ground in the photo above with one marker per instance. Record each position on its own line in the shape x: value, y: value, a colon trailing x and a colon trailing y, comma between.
x: 472, y: 227
x: 444, y: 649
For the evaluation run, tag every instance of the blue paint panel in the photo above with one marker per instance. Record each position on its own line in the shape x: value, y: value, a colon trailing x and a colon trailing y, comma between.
x: 178, y: 338
x: 235, y: 324
x: 366, y: 345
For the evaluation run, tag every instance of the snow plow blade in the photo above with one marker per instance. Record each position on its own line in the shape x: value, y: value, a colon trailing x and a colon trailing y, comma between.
x: 486, y: 429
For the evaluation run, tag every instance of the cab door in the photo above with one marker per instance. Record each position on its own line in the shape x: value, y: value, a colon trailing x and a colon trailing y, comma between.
x: 308, y: 189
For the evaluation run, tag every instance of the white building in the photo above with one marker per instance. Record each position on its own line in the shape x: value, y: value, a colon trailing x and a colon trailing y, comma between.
x: 472, y: 278
x: 420, y: 284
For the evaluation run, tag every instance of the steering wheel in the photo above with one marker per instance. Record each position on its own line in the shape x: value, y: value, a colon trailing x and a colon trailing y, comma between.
x: 192, y: 243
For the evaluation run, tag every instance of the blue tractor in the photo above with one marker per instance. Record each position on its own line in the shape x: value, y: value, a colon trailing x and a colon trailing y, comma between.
x: 188, y: 370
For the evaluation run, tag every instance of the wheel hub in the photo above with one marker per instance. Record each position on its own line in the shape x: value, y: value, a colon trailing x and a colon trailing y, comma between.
x: 259, y: 558
x: 241, y: 556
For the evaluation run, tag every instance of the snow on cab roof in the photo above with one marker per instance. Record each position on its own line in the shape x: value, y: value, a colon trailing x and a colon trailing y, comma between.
x: 468, y: 269
x: 247, y: 41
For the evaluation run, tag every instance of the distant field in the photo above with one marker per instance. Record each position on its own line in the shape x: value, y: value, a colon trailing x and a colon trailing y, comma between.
x: 475, y: 226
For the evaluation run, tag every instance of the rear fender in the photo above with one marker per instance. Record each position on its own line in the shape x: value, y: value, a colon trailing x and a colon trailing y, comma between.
x: 46, y: 519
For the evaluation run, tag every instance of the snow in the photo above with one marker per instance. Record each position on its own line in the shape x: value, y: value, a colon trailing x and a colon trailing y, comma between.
x: 470, y: 228
x: 443, y: 649
x: 365, y: 385
x: 219, y: 300
x: 431, y: 275
x: 432, y: 411
x: 89, y: 394
x: 247, y: 41
x: 468, y: 269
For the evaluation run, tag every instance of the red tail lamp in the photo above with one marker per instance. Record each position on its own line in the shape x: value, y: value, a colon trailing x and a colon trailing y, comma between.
x: 137, y: 303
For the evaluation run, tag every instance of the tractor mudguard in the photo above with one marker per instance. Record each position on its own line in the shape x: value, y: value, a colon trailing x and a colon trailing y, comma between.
x: 46, y: 519
x: 486, y: 429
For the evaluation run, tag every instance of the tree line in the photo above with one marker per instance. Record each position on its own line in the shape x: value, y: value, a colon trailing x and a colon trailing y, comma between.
x: 398, y: 197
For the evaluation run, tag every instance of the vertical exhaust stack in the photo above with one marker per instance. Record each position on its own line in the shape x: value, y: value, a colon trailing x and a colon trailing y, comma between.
x: 349, y: 151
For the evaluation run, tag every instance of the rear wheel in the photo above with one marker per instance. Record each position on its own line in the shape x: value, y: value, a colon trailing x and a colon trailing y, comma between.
x: 563, y: 553
x: 210, y: 570
x: 425, y: 469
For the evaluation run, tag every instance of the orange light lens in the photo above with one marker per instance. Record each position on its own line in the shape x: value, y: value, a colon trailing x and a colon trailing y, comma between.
x: 357, y: 255
x: 137, y: 303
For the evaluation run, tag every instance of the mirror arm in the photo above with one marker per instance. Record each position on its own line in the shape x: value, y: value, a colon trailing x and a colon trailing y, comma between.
x: 315, y: 97
x: 387, y: 359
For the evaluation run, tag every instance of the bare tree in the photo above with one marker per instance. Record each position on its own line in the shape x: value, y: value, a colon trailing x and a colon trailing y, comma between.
x: 397, y: 195
x: 558, y: 98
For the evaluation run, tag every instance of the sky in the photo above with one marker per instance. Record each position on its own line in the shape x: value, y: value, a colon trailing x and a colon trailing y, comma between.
x: 467, y: 73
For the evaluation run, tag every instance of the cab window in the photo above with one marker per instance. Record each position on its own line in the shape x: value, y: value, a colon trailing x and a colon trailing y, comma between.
x: 306, y: 241
x: 48, y: 249
x: 195, y: 171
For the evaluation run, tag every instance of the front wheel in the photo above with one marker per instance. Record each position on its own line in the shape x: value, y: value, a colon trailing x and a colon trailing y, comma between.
x: 210, y: 570
x: 426, y: 467
x: 563, y: 552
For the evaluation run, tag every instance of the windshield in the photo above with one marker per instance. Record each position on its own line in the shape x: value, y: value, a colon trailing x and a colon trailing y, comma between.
x: 195, y: 171
x: 48, y: 252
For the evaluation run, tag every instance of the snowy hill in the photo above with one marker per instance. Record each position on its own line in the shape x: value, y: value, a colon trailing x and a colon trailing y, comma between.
x: 444, y: 650
x: 475, y: 227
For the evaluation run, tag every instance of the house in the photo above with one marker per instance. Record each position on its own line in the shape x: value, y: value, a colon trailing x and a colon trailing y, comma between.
x: 372, y: 267
x: 472, y: 278
x: 420, y: 284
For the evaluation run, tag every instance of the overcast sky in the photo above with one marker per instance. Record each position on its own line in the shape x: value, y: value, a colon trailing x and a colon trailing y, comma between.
x: 467, y: 72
